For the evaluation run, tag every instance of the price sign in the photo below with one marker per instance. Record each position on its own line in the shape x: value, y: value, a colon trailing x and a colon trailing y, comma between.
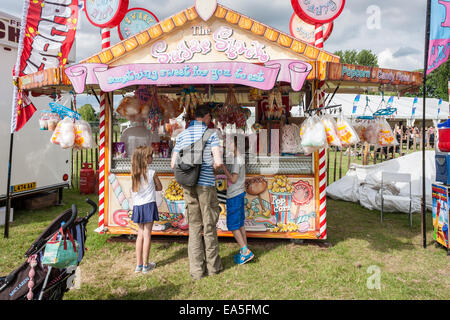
x: 305, y: 31
x: 318, y: 11
x: 135, y: 21
x: 105, y: 13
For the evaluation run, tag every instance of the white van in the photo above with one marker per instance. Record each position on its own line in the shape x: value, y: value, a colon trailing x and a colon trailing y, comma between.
x: 37, y: 165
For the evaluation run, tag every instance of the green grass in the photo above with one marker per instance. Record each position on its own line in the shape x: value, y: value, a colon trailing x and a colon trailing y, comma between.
x: 282, y: 269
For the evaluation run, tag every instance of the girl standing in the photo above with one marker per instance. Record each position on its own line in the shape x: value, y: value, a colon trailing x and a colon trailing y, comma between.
x: 145, y: 183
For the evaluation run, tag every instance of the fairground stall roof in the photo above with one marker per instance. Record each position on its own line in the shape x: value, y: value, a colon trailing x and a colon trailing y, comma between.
x: 179, y: 29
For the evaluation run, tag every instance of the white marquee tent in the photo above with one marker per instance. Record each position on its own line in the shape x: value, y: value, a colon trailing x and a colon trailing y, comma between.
x: 404, y: 106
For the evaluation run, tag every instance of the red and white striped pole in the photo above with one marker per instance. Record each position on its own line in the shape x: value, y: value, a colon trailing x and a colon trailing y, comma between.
x: 101, y: 175
x: 318, y: 33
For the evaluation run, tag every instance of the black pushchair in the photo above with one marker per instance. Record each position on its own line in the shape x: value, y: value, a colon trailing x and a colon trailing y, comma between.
x: 35, y: 281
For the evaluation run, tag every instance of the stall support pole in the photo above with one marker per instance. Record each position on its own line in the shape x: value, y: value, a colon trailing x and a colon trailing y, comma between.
x: 8, y: 195
x: 318, y: 35
x: 427, y: 45
x: 101, y: 174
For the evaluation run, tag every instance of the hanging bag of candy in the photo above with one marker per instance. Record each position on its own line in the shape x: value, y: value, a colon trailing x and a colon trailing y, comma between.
x: 331, y: 131
x: 313, y: 135
x: 155, y: 116
x: 64, y: 134
x: 386, y: 137
x: 346, y: 132
x: 83, y: 135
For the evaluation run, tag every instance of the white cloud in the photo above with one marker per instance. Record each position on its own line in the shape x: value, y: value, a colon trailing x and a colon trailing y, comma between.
x: 387, y: 60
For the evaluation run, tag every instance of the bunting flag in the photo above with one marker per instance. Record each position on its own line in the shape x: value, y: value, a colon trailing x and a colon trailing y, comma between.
x: 390, y: 102
x: 416, y: 100
x: 46, y: 36
x: 439, y: 34
x: 355, y: 103
x: 439, y: 107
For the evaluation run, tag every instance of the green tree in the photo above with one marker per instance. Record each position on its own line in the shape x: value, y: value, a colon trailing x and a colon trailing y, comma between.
x: 437, y: 82
x: 87, y: 113
x: 363, y: 58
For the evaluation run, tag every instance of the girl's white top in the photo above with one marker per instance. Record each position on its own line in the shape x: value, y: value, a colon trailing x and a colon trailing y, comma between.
x: 146, y: 193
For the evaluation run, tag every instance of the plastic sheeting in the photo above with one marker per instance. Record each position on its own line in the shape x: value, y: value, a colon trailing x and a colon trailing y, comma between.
x: 362, y: 183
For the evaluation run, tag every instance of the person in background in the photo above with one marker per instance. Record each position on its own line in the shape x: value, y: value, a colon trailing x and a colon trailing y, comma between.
x: 202, y: 202
x: 431, y: 135
x: 235, y: 204
x: 138, y: 135
x: 145, y: 183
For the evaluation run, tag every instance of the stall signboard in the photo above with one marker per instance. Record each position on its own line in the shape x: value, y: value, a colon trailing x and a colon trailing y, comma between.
x: 284, y: 208
x: 318, y: 11
x: 105, y: 13
x: 440, y: 210
x: 305, y: 31
x: 211, y: 42
x: 252, y: 75
x: 135, y: 21
x: 363, y: 74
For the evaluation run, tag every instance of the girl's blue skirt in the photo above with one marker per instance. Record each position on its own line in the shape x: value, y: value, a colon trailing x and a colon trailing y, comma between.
x: 146, y: 213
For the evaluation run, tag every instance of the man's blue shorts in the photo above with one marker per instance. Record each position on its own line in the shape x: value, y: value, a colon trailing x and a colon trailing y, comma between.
x: 235, y: 212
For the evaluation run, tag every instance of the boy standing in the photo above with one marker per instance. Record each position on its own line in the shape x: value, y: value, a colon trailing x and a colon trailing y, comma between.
x: 235, y: 205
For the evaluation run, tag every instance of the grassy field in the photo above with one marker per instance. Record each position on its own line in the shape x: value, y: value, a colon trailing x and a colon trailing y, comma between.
x: 357, y: 246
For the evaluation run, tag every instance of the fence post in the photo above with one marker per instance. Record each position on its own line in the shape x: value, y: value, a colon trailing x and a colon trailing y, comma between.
x: 335, y: 163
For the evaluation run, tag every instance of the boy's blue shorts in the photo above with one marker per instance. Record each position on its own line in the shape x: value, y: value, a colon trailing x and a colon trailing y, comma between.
x: 235, y: 212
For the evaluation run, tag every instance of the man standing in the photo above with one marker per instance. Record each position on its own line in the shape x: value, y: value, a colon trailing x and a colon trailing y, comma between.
x: 201, y: 199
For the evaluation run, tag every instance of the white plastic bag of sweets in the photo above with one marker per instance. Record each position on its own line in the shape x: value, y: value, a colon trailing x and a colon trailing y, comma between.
x: 55, y: 136
x: 66, y: 137
x: 314, y: 136
x: 367, y: 130
x: 331, y: 131
x: 385, y: 136
x: 346, y: 132
x: 83, y: 135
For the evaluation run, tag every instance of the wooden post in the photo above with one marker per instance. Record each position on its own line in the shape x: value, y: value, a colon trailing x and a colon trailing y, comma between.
x: 421, y: 141
x: 401, y: 144
x: 349, y: 157
x: 408, y: 137
x: 335, y: 163
x: 414, y: 143
x: 366, y: 154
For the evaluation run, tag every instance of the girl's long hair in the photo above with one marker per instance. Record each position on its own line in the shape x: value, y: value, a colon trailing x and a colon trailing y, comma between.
x: 139, y: 165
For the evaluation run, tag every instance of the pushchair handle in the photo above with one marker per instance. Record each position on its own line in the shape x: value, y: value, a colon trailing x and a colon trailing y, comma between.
x: 72, y: 218
x: 94, y: 208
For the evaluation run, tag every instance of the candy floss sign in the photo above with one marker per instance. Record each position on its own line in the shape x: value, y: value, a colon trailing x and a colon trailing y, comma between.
x: 223, y: 42
x: 49, y: 31
x: 248, y: 74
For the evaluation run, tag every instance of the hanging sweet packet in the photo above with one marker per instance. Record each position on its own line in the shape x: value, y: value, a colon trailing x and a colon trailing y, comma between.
x: 55, y: 136
x: 83, y: 135
x: 347, y: 134
x: 372, y: 129
x: 314, y: 136
x: 66, y: 136
x: 385, y: 136
x: 331, y: 131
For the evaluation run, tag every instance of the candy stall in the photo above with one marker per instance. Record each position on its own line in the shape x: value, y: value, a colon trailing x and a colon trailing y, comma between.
x: 260, y: 82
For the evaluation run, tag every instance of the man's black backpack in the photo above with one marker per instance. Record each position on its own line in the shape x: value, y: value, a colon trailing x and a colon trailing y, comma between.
x: 189, y: 161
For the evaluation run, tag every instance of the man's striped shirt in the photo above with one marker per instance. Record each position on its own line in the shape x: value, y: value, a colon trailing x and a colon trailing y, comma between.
x: 192, y: 134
